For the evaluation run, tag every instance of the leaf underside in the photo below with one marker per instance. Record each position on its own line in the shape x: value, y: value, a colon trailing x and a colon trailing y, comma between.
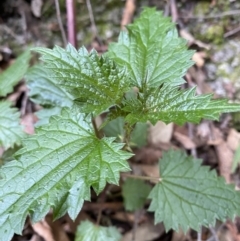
x: 10, y: 77
x: 191, y: 196
x: 11, y: 132
x: 87, y: 231
x: 95, y: 83
x: 56, y: 168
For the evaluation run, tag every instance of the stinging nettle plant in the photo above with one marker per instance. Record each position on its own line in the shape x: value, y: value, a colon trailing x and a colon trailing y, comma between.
x: 57, y: 166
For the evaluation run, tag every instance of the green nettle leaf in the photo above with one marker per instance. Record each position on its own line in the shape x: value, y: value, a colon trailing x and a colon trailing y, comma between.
x: 8, y: 155
x: 10, y: 77
x: 44, y: 90
x: 115, y: 128
x: 188, y: 195
x: 56, y: 168
x: 139, y: 135
x: 135, y: 193
x: 87, y: 231
x: 151, y: 51
x: 169, y: 104
x: 44, y: 115
x: 11, y: 132
x: 95, y: 83
x: 156, y: 60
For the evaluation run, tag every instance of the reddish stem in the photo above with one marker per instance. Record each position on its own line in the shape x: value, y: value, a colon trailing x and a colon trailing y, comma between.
x: 71, y: 22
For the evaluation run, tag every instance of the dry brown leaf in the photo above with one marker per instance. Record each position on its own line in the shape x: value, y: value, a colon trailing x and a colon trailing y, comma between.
x: 179, y: 236
x: 43, y: 229
x: 28, y: 122
x: 145, y: 232
x: 107, y: 205
x: 57, y: 229
x: 129, y: 10
x: 147, y: 155
x: 198, y: 58
x: 200, y: 79
x: 215, y: 137
x: 148, y: 170
x: 233, y: 139
x: 124, y: 216
x: 160, y: 133
x: 36, y: 7
x: 225, y: 155
x: 229, y: 234
x: 185, y: 141
x: 203, y: 130
x: 191, y: 40
x: 35, y: 237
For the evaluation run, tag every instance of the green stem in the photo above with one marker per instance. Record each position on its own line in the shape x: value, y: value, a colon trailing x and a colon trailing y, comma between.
x: 97, y: 133
x: 128, y: 131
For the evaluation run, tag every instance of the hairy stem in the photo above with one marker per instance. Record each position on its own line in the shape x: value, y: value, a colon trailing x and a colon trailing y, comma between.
x: 128, y: 131
x: 97, y: 133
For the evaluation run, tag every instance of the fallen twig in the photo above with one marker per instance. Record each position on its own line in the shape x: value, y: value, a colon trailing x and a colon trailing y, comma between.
x: 93, y: 24
x: 128, y: 13
x: 232, y: 32
x: 60, y: 22
x: 174, y: 11
x: 221, y: 15
x: 199, y: 236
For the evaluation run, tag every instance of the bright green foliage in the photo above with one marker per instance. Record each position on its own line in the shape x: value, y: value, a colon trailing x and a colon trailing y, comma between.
x: 115, y: 128
x: 10, y: 77
x: 135, y: 193
x: 95, y: 83
x: 45, y: 90
x: 44, y: 115
x: 169, y: 104
x: 11, y: 132
x: 87, y: 231
x: 139, y: 135
x: 151, y: 51
x: 56, y: 168
x: 188, y: 195
x: 156, y: 59
x: 8, y: 155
